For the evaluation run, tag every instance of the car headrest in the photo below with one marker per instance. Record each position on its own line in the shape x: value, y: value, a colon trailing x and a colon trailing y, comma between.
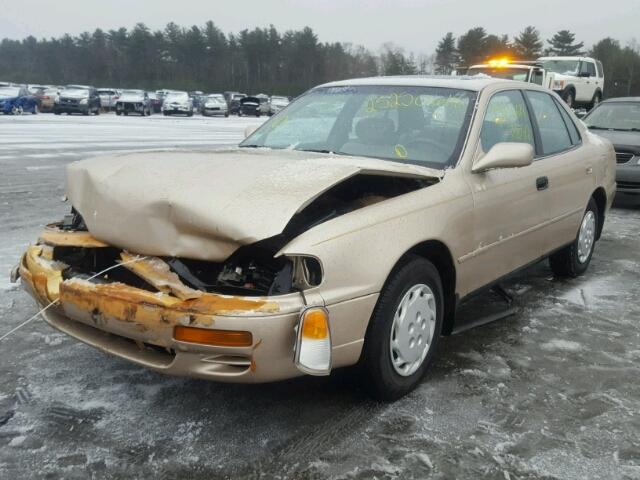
x: 375, y: 130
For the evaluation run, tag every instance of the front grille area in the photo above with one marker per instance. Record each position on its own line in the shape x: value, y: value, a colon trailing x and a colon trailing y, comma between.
x: 623, y: 157
x: 629, y: 185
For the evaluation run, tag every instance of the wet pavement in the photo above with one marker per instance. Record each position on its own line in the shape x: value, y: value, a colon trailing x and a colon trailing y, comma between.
x: 549, y: 393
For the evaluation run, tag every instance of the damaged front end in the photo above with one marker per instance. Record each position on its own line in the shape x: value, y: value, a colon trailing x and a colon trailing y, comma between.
x: 244, y: 318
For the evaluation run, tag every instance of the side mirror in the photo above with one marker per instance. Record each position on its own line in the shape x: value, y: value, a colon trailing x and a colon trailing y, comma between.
x: 249, y: 130
x: 505, y: 155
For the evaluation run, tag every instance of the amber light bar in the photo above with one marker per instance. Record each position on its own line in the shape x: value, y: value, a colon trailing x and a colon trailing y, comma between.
x: 219, y: 338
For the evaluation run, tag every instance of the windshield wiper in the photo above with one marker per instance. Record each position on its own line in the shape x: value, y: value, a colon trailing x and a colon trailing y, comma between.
x: 251, y: 145
x: 313, y: 150
x: 595, y: 127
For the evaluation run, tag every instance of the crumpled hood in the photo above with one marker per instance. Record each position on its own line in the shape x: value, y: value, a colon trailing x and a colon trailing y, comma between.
x: 206, y: 205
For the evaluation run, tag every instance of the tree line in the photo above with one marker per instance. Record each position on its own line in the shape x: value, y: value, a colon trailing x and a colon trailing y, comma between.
x: 266, y: 60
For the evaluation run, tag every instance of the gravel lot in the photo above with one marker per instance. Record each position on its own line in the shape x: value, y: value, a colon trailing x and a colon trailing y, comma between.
x: 551, y: 392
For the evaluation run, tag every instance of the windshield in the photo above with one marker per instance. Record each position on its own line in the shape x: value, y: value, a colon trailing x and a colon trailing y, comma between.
x: 133, y: 92
x: 424, y: 125
x: 9, y: 91
x: 177, y: 97
x: 566, y: 67
x: 76, y: 92
x: 615, y: 116
x: 215, y: 99
x: 506, y: 73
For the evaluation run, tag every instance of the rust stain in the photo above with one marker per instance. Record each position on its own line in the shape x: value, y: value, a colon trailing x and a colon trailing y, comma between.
x: 46, y: 275
x: 52, y: 235
x: 253, y: 365
x: 154, y: 310
x: 157, y: 273
x: 141, y: 308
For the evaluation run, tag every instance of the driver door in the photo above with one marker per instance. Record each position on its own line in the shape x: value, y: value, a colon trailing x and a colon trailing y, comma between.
x: 511, y: 205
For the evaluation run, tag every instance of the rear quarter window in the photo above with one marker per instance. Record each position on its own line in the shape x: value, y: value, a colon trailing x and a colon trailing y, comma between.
x: 554, y: 134
x: 573, y: 130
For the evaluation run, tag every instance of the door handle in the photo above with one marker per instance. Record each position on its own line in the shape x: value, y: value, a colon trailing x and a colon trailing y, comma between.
x: 542, y: 183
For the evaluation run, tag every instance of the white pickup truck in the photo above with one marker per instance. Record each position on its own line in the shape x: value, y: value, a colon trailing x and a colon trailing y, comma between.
x: 523, y: 71
x: 578, y: 80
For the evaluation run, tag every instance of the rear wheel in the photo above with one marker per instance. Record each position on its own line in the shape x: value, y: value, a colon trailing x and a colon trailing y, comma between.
x: 597, y: 98
x: 573, y: 260
x: 569, y: 97
x: 404, y: 330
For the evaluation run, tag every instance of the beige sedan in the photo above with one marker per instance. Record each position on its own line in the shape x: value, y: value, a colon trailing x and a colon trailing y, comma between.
x: 345, y: 231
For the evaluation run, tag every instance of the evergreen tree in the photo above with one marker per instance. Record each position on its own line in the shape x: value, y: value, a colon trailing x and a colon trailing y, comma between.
x: 446, y: 55
x: 471, y: 46
x: 562, y: 44
x: 528, y: 44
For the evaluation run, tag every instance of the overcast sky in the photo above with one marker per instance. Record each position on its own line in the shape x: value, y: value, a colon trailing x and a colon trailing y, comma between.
x: 414, y: 25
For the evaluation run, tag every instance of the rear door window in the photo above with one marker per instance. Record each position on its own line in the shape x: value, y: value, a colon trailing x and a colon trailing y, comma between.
x: 573, y: 130
x: 554, y: 134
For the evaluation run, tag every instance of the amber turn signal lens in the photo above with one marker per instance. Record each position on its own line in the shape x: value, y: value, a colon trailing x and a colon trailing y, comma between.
x: 219, y: 338
x: 315, y: 324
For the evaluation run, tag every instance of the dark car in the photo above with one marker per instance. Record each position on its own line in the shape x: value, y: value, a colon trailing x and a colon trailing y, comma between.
x: 133, y: 101
x: 16, y: 100
x: 618, y: 120
x: 233, y: 101
x: 78, y: 99
x: 250, y: 106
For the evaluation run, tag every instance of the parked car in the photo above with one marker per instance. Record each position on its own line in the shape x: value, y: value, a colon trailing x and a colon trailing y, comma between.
x: 177, y: 103
x: 578, y: 80
x: 214, y: 104
x: 16, y: 100
x: 251, y: 106
x: 347, y: 234
x: 523, y: 71
x: 77, y: 99
x: 155, y: 101
x: 618, y: 120
x: 133, y: 101
x: 277, y: 103
x: 108, y: 98
x: 197, y: 98
x: 233, y: 101
x: 47, y: 99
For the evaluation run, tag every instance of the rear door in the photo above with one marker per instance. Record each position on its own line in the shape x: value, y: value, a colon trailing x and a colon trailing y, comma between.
x: 565, y: 165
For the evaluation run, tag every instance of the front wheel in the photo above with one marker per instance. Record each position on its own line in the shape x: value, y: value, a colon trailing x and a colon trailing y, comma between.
x: 573, y: 260
x: 404, y: 330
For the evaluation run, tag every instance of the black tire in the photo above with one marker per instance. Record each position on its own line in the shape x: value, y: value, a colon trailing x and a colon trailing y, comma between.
x: 118, y: 112
x: 381, y: 379
x: 566, y: 262
x: 86, y: 113
x: 126, y: 114
x: 569, y: 97
x: 98, y: 111
x: 226, y: 115
x: 597, y: 98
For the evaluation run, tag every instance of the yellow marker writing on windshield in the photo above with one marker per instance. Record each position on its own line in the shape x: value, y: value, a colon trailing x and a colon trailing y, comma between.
x: 400, y: 151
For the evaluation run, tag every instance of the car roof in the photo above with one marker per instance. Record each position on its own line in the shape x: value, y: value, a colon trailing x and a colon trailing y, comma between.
x: 568, y: 57
x: 621, y: 99
x: 462, y: 82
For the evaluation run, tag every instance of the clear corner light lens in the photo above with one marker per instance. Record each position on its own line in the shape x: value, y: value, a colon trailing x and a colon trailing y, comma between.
x: 313, y: 345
